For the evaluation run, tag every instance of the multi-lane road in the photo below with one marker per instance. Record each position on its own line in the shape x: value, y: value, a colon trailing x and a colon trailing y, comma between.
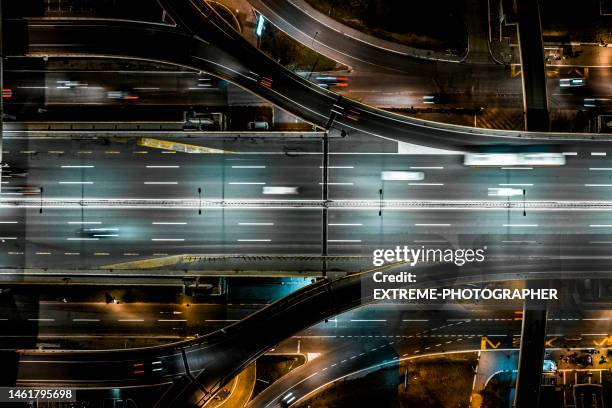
x: 123, y: 173
x: 246, y: 66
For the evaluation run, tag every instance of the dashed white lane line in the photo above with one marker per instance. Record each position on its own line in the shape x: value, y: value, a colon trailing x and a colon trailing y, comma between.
x: 368, y: 320
x: 247, y: 183
x: 168, y: 239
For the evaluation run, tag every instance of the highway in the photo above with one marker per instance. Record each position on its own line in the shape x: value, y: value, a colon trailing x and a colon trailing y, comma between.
x: 551, y: 243
x: 391, y: 75
x: 274, y: 323
x: 90, y: 169
x: 345, y: 353
x: 237, y: 64
x: 59, y: 322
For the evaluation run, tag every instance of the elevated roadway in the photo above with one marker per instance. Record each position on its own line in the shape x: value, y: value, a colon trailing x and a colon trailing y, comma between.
x: 203, y: 365
x: 210, y: 46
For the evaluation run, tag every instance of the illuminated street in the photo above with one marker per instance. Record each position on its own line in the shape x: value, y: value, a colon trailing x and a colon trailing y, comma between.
x: 305, y: 203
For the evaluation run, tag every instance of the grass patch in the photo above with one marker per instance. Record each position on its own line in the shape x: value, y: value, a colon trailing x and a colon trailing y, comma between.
x: 293, y: 55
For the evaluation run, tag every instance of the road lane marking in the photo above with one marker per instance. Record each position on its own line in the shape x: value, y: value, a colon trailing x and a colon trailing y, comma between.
x: 247, y: 183
x: 221, y: 320
x: 168, y: 239
x: 368, y: 320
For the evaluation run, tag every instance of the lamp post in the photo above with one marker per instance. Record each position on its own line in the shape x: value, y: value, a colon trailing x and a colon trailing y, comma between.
x: 41, y: 200
x: 199, y: 201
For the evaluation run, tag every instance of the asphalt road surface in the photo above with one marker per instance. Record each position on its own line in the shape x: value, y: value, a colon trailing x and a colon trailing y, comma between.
x: 90, y: 169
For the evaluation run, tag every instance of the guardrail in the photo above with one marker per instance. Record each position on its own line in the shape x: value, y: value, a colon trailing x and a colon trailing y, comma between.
x: 110, y: 203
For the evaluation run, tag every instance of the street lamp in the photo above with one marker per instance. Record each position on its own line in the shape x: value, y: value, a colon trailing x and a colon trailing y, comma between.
x: 41, y: 200
x: 200, y: 201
